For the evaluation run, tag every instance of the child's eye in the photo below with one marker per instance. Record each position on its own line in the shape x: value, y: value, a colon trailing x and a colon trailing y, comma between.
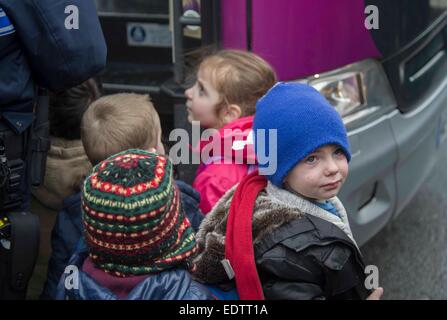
x: 339, y: 152
x: 201, y: 90
x: 311, y: 159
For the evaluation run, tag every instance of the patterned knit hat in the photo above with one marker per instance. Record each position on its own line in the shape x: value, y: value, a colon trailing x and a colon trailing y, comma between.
x: 134, y: 222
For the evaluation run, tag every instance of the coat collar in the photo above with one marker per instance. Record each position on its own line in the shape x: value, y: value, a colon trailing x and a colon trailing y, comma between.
x: 274, y: 208
x: 295, y: 202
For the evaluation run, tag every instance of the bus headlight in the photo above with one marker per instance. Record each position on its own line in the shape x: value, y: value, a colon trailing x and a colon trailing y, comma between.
x: 345, y: 92
x: 360, y: 92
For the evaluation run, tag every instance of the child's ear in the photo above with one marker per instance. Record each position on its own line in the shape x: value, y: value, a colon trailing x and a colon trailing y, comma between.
x: 231, y: 113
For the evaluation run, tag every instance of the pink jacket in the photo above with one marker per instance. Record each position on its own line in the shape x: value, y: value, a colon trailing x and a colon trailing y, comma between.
x: 214, y: 177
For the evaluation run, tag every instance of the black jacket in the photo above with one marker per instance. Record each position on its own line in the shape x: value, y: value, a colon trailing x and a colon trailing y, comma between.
x: 310, y: 258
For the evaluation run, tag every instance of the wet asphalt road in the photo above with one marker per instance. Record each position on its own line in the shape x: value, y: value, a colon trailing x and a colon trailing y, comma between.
x: 411, y: 252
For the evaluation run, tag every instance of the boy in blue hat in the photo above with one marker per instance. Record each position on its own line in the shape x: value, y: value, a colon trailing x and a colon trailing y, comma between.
x: 285, y: 234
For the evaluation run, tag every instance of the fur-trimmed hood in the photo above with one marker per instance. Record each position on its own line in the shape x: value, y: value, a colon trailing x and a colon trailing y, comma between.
x: 274, y: 208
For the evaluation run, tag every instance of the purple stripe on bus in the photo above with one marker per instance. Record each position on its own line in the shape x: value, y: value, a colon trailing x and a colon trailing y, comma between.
x: 234, y: 22
x: 300, y: 38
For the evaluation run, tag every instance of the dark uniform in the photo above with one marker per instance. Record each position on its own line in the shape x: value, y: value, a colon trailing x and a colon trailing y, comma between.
x: 37, y: 49
x: 50, y: 44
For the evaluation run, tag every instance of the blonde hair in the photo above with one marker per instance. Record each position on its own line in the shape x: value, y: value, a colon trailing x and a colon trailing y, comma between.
x: 118, y: 122
x: 240, y: 78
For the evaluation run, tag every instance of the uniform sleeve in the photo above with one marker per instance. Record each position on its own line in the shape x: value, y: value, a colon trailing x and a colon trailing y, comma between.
x: 60, y: 54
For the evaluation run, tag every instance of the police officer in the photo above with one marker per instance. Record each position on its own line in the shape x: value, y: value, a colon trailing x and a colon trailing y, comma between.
x: 45, y: 44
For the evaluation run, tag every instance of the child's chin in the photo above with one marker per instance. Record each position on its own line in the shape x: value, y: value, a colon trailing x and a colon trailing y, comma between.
x: 333, y: 195
x: 328, y: 195
x: 190, y: 118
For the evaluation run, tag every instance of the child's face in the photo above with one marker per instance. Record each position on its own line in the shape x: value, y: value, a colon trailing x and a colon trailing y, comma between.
x: 321, y: 174
x: 202, y: 100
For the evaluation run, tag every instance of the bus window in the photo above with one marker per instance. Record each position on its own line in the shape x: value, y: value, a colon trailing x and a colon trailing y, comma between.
x: 133, y: 6
x: 401, y: 21
x: 191, y: 8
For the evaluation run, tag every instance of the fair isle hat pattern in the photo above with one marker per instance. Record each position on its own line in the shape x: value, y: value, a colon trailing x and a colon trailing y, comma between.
x: 133, y: 219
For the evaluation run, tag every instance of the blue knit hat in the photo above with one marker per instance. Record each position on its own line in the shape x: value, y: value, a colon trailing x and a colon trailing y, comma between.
x: 305, y: 121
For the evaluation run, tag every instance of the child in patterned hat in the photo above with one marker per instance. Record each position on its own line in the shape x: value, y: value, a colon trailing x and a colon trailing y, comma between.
x: 140, y: 244
x: 112, y: 124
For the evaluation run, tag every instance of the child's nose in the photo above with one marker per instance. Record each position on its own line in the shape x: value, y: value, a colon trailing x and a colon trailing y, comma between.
x: 331, y: 167
x: 188, y: 93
